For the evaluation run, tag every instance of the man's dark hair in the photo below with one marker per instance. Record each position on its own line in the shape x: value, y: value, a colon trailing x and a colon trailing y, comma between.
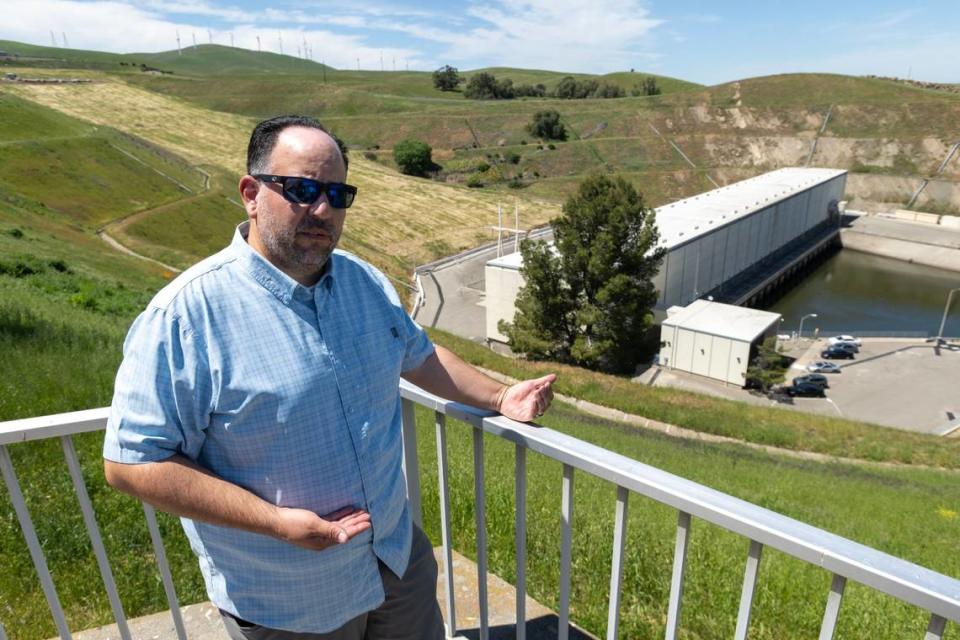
x: 264, y: 139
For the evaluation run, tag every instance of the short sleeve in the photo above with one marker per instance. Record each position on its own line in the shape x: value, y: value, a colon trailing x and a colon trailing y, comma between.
x: 161, y: 401
x: 418, y: 344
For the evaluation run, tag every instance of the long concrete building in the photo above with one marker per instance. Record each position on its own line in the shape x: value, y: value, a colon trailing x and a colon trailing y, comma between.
x: 712, y: 238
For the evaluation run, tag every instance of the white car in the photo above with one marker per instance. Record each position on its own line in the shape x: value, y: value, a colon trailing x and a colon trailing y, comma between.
x: 851, y: 339
x: 822, y: 366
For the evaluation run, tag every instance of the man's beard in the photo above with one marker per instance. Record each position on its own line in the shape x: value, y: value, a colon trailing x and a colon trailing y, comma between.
x: 281, y: 244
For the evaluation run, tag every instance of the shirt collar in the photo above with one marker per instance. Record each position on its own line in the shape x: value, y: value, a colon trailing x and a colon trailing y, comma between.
x: 269, y: 276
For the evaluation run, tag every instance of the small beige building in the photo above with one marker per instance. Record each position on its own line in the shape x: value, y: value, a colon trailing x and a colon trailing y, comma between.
x: 713, y: 339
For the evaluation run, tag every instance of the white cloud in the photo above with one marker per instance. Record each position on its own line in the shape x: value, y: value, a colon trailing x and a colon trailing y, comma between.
x: 108, y: 25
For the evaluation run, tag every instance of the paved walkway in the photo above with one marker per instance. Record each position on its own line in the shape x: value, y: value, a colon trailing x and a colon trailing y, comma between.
x: 202, y: 620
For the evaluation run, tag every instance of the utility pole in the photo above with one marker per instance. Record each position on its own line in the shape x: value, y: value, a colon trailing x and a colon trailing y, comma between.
x: 231, y: 39
x: 381, y: 61
x: 53, y: 38
x: 194, y: 35
x: 280, y: 40
x: 210, y: 36
x: 179, y: 52
x: 65, y: 45
x: 358, y: 64
x: 258, y: 44
x: 394, y: 63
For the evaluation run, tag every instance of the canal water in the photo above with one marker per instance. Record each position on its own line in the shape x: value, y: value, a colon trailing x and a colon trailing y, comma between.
x: 854, y: 292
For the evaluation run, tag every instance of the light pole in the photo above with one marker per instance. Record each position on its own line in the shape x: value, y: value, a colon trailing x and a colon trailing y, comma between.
x: 800, y: 330
x: 946, y: 310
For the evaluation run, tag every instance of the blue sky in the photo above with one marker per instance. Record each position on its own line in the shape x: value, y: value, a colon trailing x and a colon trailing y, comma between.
x: 707, y: 42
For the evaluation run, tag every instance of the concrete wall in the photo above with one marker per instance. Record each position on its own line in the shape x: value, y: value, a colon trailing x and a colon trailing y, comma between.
x: 502, y: 287
x: 689, y: 270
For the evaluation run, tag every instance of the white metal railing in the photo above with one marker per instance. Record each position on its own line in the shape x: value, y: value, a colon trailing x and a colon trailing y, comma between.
x: 936, y: 593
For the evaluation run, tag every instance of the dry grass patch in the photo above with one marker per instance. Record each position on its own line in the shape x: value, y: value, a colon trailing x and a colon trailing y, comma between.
x: 395, y: 215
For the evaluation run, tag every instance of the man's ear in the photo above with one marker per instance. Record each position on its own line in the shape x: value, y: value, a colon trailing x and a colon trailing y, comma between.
x: 249, y: 188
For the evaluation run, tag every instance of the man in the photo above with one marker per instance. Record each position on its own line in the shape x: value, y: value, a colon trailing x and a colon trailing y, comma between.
x: 258, y: 400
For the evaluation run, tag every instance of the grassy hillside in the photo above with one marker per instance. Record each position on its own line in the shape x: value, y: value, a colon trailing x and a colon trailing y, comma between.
x: 397, y: 222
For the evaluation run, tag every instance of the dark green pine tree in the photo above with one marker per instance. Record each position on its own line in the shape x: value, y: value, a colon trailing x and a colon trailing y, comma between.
x: 589, y: 302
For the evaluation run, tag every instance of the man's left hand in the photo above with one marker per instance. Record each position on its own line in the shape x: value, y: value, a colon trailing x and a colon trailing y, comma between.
x: 529, y: 399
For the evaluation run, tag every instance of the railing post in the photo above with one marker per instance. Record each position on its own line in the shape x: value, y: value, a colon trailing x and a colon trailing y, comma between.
x: 90, y: 520
x: 443, y: 481
x: 679, y: 569
x: 411, y: 466
x: 520, y: 537
x: 33, y: 544
x: 480, y: 510
x: 935, y: 628
x: 832, y: 611
x: 616, y: 570
x: 160, y: 553
x: 749, y: 588
x: 566, y: 545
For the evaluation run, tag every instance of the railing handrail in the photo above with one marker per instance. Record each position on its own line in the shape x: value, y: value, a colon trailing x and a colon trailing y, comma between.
x: 935, y: 592
x: 912, y: 583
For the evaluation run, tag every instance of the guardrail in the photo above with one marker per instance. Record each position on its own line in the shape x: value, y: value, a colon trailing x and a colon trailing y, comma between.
x: 846, y: 560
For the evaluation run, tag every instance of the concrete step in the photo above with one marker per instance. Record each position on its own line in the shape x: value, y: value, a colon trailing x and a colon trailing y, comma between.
x: 202, y: 620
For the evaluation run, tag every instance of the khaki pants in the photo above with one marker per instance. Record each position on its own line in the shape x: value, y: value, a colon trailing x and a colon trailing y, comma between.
x: 409, y: 612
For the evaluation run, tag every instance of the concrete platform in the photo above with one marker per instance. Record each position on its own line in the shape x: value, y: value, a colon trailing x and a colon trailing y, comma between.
x: 202, y: 620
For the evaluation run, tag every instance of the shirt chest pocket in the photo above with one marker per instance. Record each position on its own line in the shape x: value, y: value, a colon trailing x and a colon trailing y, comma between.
x: 375, y: 366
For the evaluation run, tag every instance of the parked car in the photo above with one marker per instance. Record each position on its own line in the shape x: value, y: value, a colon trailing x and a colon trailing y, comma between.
x: 812, y: 378
x: 849, y: 346
x: 837, y: 352
x: 805, y: 389
x: 844, y: 338
x: 822, y: 366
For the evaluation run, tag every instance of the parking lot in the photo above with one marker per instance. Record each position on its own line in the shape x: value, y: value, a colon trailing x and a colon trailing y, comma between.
x: 904, y: 383
x: 908, y: 384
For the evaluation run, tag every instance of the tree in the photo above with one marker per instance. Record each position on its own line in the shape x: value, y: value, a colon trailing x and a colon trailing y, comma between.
x: 485, y: 86
x: 589, y: 301
x: 481, y: 86
x: 413, y: 157
x: 446, y: 78
x: 768, y: 368
x: 547, y: 125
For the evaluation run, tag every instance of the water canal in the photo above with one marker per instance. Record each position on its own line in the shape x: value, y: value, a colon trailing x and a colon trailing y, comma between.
x: 854, y: 292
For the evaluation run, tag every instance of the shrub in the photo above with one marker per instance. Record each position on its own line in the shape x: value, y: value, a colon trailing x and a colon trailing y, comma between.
x: 413, y: 157
x: 475, y: 181
x: 446, y: 78
x: 547, y: 125
x: 485, y: 86
x: 646, y: 87
x: 513, y: 158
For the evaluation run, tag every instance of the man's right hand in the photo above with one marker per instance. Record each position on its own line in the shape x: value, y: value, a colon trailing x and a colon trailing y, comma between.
x: 308, y: 530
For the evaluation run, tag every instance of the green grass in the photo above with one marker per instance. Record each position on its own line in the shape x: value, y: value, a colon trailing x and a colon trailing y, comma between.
x: 85, y: 174
x: 761, y: 425
x: 22, y: 120
x: 87, y: 179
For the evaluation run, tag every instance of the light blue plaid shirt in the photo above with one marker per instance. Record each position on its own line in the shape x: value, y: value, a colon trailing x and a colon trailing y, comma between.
x: 292, y: 393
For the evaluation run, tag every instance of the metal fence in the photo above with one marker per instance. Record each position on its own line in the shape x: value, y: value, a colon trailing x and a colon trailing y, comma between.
x: 844, y: 559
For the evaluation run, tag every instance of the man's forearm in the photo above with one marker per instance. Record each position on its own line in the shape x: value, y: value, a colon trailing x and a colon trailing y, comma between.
x: 446, y: 375
x: 179, y: 486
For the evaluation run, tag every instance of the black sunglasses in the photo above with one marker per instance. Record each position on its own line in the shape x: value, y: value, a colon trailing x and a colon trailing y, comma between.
x: 307, y: 191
